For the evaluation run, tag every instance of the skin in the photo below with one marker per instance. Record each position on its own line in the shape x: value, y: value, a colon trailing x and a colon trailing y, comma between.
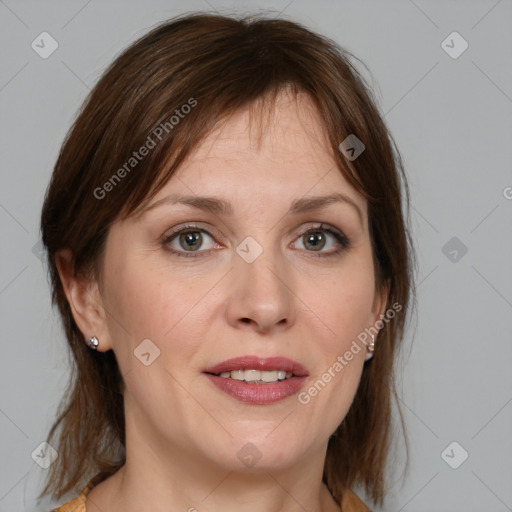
x: 182, y: 433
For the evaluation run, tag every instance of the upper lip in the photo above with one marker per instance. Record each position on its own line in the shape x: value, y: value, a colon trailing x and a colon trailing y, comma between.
x: 259, y: 363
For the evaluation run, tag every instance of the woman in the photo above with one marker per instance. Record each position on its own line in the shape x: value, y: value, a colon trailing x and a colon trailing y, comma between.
x: 229, y: 256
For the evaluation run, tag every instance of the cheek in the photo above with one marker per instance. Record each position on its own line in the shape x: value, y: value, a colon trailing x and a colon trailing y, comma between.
x: 342, y: 311
x: 147, y: 301
x: 146, y: 305
x: 342, y: 305
x: 135, y: 302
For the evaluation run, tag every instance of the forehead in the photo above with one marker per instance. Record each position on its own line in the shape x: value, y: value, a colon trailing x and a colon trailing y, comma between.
x: 288, y: 123
x: 269, y: 150
x: 262, y: 163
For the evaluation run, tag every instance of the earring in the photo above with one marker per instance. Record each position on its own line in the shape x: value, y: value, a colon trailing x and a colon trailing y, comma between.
x: 370, y: 347
x: 93, y: 342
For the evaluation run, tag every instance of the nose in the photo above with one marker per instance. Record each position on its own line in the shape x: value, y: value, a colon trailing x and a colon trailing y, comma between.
x: 262, y: 299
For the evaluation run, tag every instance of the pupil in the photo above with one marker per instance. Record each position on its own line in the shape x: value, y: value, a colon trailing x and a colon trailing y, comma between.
x: 313, y: 239
x: 191, y: 239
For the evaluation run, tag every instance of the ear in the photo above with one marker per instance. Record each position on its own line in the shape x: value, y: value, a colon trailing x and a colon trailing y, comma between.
x: 85, y: 301
x: 380, y: 302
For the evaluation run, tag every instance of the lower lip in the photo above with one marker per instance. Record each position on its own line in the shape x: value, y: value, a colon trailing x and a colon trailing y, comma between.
x: 258, y: 394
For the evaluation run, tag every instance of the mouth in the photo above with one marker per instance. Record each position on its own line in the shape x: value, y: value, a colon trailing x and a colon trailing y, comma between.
x: 258, y: 380
x: 256, y: 376
x: 258, y: 369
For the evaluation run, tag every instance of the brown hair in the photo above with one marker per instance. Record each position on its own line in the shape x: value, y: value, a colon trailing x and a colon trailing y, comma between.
x: 217, y: 65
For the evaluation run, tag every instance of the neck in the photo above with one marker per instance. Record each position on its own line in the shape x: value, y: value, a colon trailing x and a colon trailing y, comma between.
x: 222, y: 491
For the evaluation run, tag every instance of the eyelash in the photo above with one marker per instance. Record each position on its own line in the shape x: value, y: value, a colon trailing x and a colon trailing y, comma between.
x: 344, y: 242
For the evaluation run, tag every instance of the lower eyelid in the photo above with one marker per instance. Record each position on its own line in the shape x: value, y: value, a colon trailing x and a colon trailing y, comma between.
x: 169, y: 238
x: 343, y: 242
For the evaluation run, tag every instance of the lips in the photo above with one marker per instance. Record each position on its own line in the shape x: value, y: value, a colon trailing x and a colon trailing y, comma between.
x: 259, y: 363
x: 261, y: 388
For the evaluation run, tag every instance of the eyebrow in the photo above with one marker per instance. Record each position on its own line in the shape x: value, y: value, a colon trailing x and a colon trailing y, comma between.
x: 220, y: 206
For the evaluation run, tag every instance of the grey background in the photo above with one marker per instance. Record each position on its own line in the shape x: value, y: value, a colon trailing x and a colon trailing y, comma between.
x: 452, y: 121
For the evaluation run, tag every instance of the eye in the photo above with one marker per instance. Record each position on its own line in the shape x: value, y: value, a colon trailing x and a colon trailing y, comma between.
x: 187, y: 241
x: 316, y: 238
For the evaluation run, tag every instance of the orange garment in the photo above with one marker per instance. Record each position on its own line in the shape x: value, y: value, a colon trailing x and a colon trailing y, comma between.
x: 351, y: 502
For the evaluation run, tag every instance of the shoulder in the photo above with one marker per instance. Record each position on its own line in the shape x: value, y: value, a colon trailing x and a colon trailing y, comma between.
x: 77, y: 504
x: 352, y: 503
x: 74, y: 505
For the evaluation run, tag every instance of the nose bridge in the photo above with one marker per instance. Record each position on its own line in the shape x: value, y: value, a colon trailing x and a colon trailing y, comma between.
x: 262, y: 263
x: 262, y: 290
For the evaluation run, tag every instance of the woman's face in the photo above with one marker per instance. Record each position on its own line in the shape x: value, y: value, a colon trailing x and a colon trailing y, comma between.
x: 256, y: 280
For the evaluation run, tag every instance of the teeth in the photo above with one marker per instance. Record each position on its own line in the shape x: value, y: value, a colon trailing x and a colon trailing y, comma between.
x: 252, y: 375
x: 238, y: 375
x: 257, y: 376
x: 270, y: 376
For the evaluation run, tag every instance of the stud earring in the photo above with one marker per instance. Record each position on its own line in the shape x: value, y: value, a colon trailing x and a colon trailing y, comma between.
x: 93, y: 343
x: 370, y: 347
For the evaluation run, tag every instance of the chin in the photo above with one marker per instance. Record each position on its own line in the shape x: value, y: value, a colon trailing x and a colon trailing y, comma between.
x: 255, y: 453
